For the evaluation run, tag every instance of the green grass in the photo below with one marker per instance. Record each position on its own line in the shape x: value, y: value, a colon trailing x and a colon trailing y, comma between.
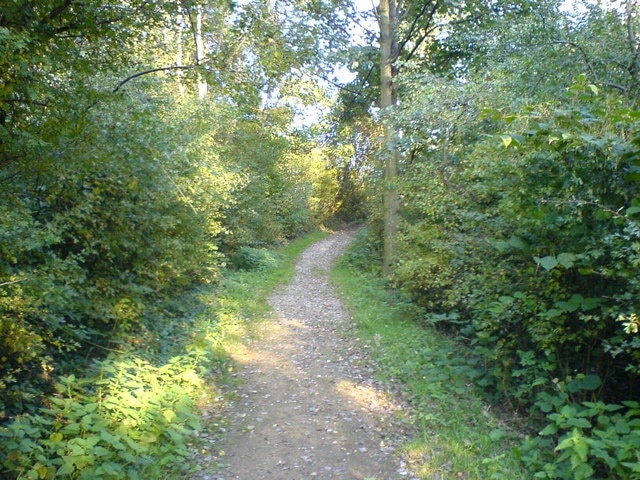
x: 457, y: 435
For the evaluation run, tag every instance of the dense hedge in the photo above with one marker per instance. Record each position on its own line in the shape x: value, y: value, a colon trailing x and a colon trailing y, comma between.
x: 520, y: 236
x: 530, y: 252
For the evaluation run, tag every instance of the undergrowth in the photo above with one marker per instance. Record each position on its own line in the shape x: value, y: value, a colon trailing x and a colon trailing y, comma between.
x: 134, y: 413
x: 458, y: 435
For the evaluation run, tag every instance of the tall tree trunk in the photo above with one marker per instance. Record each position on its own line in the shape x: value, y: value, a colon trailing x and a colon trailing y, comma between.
x: 202, y: 83
x: 180, y: 55
x: 387, y: 17
x: 631, y: 12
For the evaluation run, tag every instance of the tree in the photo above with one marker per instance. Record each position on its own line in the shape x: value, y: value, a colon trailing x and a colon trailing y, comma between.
x: 418, y: 19
x: 388, y: 22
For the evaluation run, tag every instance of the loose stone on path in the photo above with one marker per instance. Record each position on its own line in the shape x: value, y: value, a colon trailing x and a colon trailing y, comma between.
x: 306, y: 407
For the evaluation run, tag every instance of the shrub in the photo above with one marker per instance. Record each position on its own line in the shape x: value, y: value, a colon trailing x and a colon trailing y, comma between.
x: 126, y: 421
x: 249, y: 258
x: 587, y: 440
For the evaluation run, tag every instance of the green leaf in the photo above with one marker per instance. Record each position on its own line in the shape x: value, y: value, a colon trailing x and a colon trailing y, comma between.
x: 101, y: 451
x: 633, y: 210
x: 169, y: 415
x: 591, y: 382
x: 581, y: 470
x: 548, y: 262
x: 552, y: 313
x: 550, y: 429
x: 518, y: 243
x: 622, y: 427
x: 566, y: 259
x: 110, y: 468
x: 582, y: 450
x: 566, y: 443
x: 67, y: 468
x: 148, y: 437
x: 579, y: 422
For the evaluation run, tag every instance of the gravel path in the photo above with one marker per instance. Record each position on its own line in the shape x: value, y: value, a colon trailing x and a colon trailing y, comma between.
x: 306, y: 406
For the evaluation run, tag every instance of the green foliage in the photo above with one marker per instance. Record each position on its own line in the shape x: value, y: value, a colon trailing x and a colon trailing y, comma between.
x: 114, y: 199
x: 588, y: 440
x: 120, y: 192
x: 89, y: 242
x: 520, y: 199
x: 114, y: 425
x: 248, y: 258
x: 131, y: 415
x: 522, y: 243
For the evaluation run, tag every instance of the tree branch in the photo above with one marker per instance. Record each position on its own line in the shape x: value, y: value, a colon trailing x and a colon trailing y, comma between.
x: 420, y: 41
x: 590, y: 67
x: 146, y: 72
x: 12, y: 282
x: 414, y: 25
x: 582, y: 51
x: 336, y: 84
x: 57, y: 11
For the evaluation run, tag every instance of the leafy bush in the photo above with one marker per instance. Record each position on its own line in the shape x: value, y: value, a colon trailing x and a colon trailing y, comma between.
x: 526, y: 246
x: 587, y: 440
x: 130, y: 415
x: 127, y: 421
x: 249, y: 258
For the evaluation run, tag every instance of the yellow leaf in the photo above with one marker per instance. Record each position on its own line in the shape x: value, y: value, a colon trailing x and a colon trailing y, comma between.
x: 169, y: 415
x: 191, y: 377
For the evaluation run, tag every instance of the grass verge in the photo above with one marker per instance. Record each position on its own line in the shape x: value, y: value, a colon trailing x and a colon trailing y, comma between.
x: 457, y: 434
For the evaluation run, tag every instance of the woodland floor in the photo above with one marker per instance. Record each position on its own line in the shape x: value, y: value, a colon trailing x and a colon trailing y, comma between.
x: 306, y: 405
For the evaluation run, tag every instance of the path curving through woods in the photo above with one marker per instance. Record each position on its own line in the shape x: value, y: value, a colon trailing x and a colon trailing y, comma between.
x: 306, y: 406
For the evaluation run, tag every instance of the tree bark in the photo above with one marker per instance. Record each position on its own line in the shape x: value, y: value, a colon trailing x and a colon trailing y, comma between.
x: 387, y: 18
x: 179, y: 55
x: 202, y: 83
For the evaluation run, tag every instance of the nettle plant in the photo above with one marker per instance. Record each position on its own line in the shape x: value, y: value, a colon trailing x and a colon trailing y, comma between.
x: 130, y: 420
x: 587, y: 440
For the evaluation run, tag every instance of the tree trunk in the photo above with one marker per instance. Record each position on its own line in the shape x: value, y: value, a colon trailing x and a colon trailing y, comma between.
x: 631, y: 12
x: 202, y: 83
x: 388, y: 21
x: 179, y: 55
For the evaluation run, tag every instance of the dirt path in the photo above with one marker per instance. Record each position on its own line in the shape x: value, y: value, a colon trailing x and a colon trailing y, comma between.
x: 306, y: 406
